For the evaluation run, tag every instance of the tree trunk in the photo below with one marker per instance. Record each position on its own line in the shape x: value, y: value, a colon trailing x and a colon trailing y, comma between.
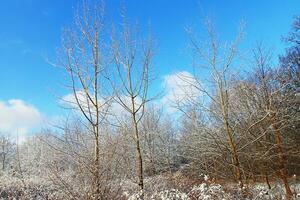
x: 282, y: 162
x: 3, y: 162
x: 235, y: 159
x: 267, y: 180
x: 138, y: 155
x: 96, y: 165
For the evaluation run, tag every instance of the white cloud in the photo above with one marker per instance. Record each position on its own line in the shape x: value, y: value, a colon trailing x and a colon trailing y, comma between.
x: 180, y: 87
x: 69, y: 101
x: 18, y: 117
x: 114, y: 109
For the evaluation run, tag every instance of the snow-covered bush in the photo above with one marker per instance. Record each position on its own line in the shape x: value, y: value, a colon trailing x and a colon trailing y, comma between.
x: 207, y: 191
x: 13, y: 187
x: 171, y: 194
x: 162, y: 188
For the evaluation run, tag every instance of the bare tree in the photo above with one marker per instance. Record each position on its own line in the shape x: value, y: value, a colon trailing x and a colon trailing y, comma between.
x: 82, y: 57
x: 271, y: 99
x: 217, y: 60
x: 259, y: 102
x: 132, y: 58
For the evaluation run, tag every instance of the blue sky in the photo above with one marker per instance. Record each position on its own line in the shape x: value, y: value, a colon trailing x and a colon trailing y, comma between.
x: 30, y: 31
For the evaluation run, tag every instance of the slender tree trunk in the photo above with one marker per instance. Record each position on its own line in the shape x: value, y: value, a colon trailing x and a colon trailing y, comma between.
x: 3, y: 161
x: 138, y: 155
x: 234, y: 155
x: 139, y: 159
x: 267, y: 180
x: 232, y: 146
x: 96, y: 125
x: 97, y: 165
x: 282, y: 162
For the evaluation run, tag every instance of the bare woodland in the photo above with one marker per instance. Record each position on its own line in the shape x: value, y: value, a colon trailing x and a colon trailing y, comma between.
x: 239, y: 127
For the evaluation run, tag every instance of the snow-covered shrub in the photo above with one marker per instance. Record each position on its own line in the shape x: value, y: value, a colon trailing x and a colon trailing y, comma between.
x: 207, y: 191
x: 136, y: 196
x: 13, y: 187
x: 260, y: 192
x: 171, y: 194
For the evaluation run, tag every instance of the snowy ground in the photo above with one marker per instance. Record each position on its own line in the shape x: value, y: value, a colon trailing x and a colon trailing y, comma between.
x: 156, y: 188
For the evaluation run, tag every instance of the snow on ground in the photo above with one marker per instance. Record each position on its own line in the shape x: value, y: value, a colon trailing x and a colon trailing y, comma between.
x: 212, y: 191
x: 156, y: 188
